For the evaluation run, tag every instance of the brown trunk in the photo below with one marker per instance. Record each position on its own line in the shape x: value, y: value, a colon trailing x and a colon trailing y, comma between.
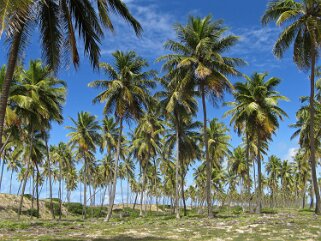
x: 12, y: 61
x: 259, y: 173
x: 50, y: 181
x: 177, y: 173
x: 312, y: 140
x: 113, y: 191
x: 207, y: 159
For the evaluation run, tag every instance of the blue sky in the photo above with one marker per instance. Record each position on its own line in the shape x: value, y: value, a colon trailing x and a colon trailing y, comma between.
x: 157, y: 19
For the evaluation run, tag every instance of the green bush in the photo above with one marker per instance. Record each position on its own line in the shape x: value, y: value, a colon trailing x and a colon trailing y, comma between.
x: 31, y: 212
x: 269, y: 211
x: 28, y: 196
x: 56, y: 207
x: 237, y: 210
x: 74, y: 208
x: 306, y: 210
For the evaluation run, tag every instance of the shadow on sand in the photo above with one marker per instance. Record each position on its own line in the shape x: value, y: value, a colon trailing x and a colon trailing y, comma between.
x: 120, y: 238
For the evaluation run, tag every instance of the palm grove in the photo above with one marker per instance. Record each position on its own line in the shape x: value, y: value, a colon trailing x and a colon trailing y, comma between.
x: 168, y: 141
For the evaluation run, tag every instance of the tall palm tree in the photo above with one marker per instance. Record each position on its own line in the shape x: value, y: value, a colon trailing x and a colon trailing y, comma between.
x: 37, y: 98
x: 126, y: 95
x: 302, y: 21
x: 178, y: 108
x: 198, y: 57
x: 146, y: 143
x: 237, y: 164
x: 256, y: 102
x: 273, y: 169
x: 58, y: 22
x: 85, y: 137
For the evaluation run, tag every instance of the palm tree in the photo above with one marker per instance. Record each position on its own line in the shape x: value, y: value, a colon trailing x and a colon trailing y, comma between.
x: 198, y: 57
x: 14, y: 164
x: 126, y: 94
x: 273, y: 169
x: 256, y: 102
x: 302, y: 23
x: 85, y: 137
x: 146, y: 143
x: 58, y: 22
x: 178, y: 107
x: 237, y: 164
x: 37, y: 98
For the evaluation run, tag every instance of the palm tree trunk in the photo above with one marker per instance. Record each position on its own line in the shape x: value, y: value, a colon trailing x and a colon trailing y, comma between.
x: 37, y: 190
x: 25, y: 177
x: 50, y: 181
x: 2, y: 168
x: 85, y: 189
x: 113, y: 192
x: 177, y: 173
x: 141, y: 214
x: 207, y: 159
x: 248, y: 168
x: 183, y: 193
x: 135, y: 200
x: 259, y: 173
x: 11, y: 181
x: 312, y: 134
x: 121, y: 193
x: 60, y: 190
x: 12, y: 61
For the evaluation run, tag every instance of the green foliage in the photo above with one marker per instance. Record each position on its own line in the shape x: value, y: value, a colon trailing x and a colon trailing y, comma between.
x: 28, y: 196
x: 56, y: 206
x: 269, y: 211
x: 74, y: 208
x: 31, y: 212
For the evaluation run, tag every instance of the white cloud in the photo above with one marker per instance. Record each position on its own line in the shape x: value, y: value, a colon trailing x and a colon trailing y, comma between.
x: 157, y: 26
x: 291, y: 153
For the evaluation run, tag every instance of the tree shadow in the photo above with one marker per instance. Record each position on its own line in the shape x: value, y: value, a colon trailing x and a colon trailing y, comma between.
x: 119, y: 238
x: 131, y: 238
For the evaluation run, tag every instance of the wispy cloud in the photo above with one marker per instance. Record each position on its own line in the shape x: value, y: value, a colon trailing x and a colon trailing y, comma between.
x: 291, y: 153
x: 157, y: 26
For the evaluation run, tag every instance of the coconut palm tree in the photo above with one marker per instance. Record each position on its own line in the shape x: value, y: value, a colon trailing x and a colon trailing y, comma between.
x: 237, y: 165
x: 85, y: 136
x: 178, y: 107
x: 256, y: 102
x: 126, y: 95
x: 198, y: 56
x: 58, y: 22
x: 37, y: 98
x: 301, y: 21
x: 146, y: 143
x: 273, y: 169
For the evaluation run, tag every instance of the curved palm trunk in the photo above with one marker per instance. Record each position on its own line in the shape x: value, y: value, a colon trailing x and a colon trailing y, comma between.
x: 25, y: 179
x: 177, y: 173
x: 312, y: 140
x: 50, y: 181
x: 113, y: 191
x: 208, y: 161
x: 2, y: 169
x: 12, y: 61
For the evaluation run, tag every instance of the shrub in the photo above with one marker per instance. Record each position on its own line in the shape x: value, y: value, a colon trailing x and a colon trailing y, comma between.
x: 74, y: 208
x: 28, y: 196
x: 31, y: 212
x: 269, y: 211
x: 56, y: 207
